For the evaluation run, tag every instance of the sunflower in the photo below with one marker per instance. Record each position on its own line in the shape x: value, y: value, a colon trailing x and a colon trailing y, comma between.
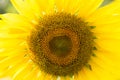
x: 60, y: 40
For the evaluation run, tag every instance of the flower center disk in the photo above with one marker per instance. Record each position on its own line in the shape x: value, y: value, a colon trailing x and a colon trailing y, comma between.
x: 61, y: 44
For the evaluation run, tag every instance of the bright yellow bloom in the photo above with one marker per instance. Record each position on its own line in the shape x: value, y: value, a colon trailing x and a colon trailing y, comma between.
x: 101, y: 25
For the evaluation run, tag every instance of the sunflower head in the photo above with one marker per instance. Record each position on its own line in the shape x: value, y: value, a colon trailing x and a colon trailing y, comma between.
x: 60, y: 40
x: 62, y: 43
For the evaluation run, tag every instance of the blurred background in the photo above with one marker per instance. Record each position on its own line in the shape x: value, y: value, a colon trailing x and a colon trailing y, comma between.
x: 7, y: 7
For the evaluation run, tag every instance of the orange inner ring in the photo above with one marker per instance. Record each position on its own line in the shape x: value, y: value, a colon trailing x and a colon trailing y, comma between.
x: 52, y: 57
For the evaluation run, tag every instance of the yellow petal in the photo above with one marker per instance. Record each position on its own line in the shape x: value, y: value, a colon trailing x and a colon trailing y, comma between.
x: 106, y: 21
x: 105, y: 13
x: 24, y: 9
x: 12, y: 46
x: 5, y: 78
x: 6, y: 35
x: 109, y: 45
x: 9, y: 62
x: 107, y: 36
x: 34, y: 74
x: 41, y: 7
x: 16, y: 68
x: 20, y: 74
x: 10, y: 21
x: 80, y: 76
x: 107, y: 31
x: 87, y: 8
x: 81, y: 7
x: 109, y: 62
x: 33, y: 9
x: 47, y: 77
x: 102, y: 73
x: 89, y: 74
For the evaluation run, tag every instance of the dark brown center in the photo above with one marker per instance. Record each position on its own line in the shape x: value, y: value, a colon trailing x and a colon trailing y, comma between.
x: 60, y: 45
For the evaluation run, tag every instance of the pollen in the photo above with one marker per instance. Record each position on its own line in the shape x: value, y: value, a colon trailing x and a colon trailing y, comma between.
x: 61, y: 44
